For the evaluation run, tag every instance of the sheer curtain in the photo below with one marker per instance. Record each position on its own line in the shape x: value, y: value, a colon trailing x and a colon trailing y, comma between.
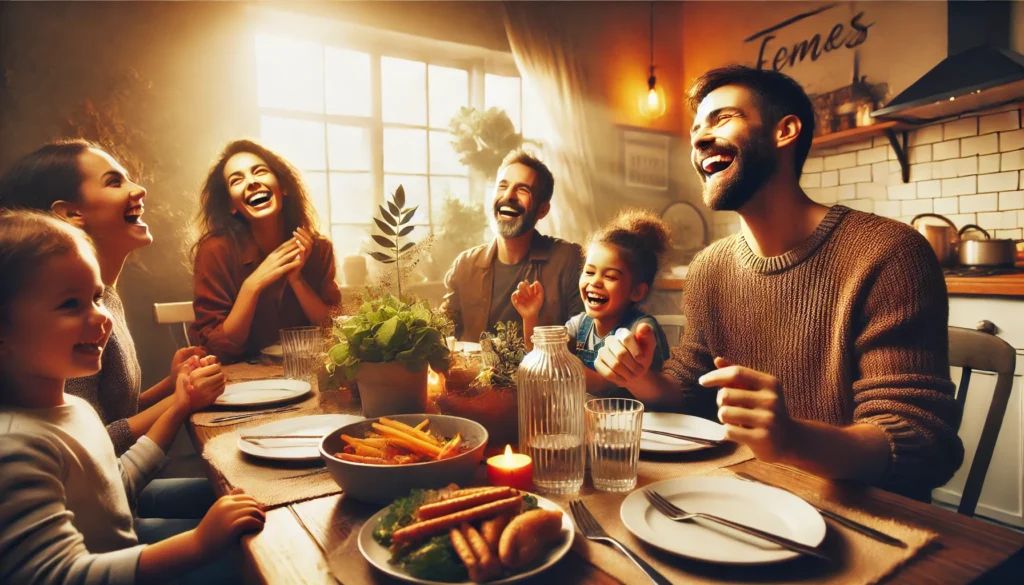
x: 557, y: 77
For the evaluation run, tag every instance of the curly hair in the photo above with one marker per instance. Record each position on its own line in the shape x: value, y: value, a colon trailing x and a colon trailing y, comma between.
x: 215, y: 217
x: 642, y: 236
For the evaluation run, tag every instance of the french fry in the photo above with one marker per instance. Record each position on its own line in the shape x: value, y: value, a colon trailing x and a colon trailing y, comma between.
x: 465, y: 553
x: 451, y: 448
x: 421, y: 530
x: 411, y: 431
x: 453, y: 505
x: 489, y: 566
x: 422, y: 425
x: 375, y: 443
x: 367, y: 451
x: 491, y: 530
x: 418, y: 446
x: 351, y: 440
x: 360, y: 459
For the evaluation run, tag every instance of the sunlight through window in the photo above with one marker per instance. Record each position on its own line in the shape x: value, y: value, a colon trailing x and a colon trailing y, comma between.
x: 289, y: 74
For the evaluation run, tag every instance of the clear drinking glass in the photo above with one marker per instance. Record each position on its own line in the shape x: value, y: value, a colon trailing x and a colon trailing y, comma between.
x: 300, y: 348
x: 613, y: 437
x: 552, y: 390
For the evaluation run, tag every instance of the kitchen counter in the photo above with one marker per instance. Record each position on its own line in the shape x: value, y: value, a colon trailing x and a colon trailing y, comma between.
x: 1007, y: 285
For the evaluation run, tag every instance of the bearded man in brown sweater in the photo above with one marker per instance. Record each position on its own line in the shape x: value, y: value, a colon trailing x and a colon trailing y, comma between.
x: 822, y: 329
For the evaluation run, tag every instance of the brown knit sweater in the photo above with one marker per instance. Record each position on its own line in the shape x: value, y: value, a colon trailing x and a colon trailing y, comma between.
x: 852, y: 323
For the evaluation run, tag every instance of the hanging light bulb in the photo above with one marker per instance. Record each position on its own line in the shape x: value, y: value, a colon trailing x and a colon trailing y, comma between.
x: 652, y: 102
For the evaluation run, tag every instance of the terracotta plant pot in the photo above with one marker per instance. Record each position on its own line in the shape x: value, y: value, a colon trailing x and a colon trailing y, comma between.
x: 388, y: 388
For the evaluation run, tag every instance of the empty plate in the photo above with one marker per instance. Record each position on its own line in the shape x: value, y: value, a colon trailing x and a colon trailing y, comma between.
x: 293, y: 449
x: 682, y: 424
x: 260, y: 392
x: 754, y: 504
x: 273, y: 351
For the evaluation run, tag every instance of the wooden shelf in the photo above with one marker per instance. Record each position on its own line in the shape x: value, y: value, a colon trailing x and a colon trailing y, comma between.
x: 888, y: 129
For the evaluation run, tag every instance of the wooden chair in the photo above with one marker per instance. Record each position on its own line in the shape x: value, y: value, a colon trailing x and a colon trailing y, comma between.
x: 174, y: 314
x: 978, y: 350
x: 670, y: 323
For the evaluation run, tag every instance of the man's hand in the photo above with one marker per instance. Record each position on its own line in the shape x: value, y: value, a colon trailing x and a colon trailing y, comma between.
x: 626, y: 357
x: 752, y: 408
x: 528, y: 299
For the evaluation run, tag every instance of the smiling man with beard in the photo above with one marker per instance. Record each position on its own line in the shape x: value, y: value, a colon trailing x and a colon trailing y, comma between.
x: 479, y: 285
x: 816, y: 335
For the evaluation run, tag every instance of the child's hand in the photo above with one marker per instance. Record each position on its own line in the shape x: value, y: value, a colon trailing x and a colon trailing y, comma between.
x: 199, y: 383
x: 228, y: 518
x: 528, y: 299
x: 182, y: 355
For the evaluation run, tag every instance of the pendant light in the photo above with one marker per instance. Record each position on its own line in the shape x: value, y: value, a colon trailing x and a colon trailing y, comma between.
x: 652, y: 102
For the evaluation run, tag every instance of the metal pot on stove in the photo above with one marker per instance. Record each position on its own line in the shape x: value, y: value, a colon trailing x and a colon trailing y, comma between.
x: 987, y: 251
x: 941, y: 235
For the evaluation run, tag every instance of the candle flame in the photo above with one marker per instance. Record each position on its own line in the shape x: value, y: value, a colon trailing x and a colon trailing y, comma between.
x: 508, y: 453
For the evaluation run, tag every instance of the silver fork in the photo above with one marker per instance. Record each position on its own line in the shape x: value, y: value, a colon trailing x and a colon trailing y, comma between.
x: 591, y: 529
x: 680, y: 515
x: 256, y: 413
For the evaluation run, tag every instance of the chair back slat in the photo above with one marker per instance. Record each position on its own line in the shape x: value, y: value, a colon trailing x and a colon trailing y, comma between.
x: 175, y: 314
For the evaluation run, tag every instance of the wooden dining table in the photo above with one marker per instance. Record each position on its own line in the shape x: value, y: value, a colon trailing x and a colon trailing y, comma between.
x: 296, y: 541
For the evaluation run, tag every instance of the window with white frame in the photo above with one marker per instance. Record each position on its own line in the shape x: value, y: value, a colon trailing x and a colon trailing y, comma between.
x: 359, y: 117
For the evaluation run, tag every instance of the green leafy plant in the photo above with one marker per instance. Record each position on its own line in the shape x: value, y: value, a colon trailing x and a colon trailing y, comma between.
x: 483, y: 139
x: 505, y: 350
x: 387, y: 329
x: 460, y: 228
x: 394, y: 223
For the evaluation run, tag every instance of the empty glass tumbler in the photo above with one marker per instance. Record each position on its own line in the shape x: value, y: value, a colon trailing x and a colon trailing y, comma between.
x: 301, y: 348
x: 552, y: 389
x: 613, y: 438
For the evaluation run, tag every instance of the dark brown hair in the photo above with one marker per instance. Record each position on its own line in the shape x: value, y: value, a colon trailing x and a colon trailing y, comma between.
x: 215, y: 217
x: 775, y: 94
x: 545, y: 180
x: 27, y: 239
x: 642, y: 236
x: 46, y: 175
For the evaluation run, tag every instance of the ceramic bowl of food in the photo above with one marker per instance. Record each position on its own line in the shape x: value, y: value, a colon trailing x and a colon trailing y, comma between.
x: 409, y: 461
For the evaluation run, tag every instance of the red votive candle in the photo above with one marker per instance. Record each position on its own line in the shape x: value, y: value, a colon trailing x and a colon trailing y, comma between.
x: 513, y: 470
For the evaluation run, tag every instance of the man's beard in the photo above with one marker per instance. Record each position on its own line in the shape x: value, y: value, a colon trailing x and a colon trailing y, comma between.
x: 755, y: 162
x: 516, y: 227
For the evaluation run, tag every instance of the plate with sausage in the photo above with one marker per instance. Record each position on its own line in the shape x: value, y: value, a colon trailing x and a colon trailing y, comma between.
x: 462, y: 536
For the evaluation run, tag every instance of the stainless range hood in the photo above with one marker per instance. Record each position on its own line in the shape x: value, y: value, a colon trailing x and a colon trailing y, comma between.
x: 980, y: 73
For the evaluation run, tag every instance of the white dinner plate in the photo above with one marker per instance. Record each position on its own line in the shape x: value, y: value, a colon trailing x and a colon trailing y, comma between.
x: 682, y: 424
x: 378, y: 556
x: 273, y: 351
x: 293, y: 449
x: 467, y: 346
x: 754, y: 504
x: 260, y: 392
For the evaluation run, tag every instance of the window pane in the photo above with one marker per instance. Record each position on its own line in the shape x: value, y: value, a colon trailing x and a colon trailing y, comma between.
x: 352, y: 198
x: 449, y: 91
x: 348, y: 82
x: 348, y: 148
x: 300, y: 141
x: 535, y: 118
x: 403, y: 91
x: 289, y: 74
x: 443, y: 159
x: 503, y: 92
x: 316, y: 183
x: 405, y: 150
x: 415, y: 194
x: 442, y: 188
x: 349, y: 240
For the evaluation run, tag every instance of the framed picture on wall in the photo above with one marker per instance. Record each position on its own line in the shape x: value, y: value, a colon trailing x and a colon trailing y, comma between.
x: 646, y: 157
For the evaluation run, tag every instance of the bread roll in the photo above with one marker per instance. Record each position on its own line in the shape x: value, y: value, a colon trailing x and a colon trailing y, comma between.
x: 527, y: 536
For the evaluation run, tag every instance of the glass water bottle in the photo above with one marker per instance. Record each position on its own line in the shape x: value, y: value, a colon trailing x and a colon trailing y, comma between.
x: 552, y: 390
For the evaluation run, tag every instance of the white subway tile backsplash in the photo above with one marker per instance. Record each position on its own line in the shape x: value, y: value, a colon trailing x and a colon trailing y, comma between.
x: 827, y: 195
x: 881, y: 141
x: 846, y: 192
x: 872, y: 155
x: 960, y: 128
x: 1020, y: 218
x: 926, y: 135
x: 866, y: 205
x: 998, y: 220
x: 999, y: 122
x: 920, y: 154
x: 810, y: 180
x: 855, y: 175
x: 988, y: 163
x: 1012, y: 161
x: 976, y: 203
x: 1011, y: 200
x: 924, y: 171
x: 998, y: 182
x: 944, y: 169
x: 855, y: 146
x: 888, y: 208
x: 946, y: 205
x: 929, y: 189
x: 916, y: 206
x: 986, y: 144
x: 814, y: 164
x: 823, y: 152
x: 959, y: 186
x: 944, y: 150
x: 880, y: 172
x: 966, y: 166
x: 961, y: 219
x: 1011, y: 140
x: 831, y: 178
x: 875, y: 191
x: 840, y: 161
x: 1013, y: 234
x: 902, y: 191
